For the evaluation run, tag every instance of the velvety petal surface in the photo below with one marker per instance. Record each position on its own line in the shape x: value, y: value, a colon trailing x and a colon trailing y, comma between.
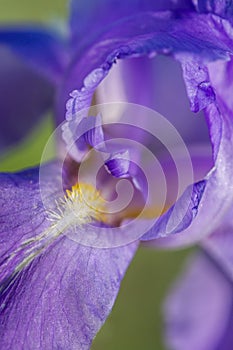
x: 25, y: 97
x: 198, y: 311
x: 41, y: 47
x: 61, y: 297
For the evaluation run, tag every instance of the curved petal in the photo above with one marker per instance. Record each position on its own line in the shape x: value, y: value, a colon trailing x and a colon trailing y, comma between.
x: 198, y: 312
x: 217, y: 197
x: 61, y: 297
x: 200, y: 92
x: 38, y: 46
x: 178, y: 36
x: 142, y: 35
x: 25, y: 97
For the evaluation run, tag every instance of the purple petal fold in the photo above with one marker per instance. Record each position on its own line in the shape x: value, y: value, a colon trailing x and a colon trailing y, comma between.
x: 198, y: 311
x: 42, y: 48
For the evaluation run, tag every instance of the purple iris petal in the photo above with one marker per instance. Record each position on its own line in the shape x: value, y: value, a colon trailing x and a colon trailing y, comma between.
x: 25, y: 97
x: 61, y: 296
x: 84, y: 281
x: 41, y: 47
x: 198, y: 312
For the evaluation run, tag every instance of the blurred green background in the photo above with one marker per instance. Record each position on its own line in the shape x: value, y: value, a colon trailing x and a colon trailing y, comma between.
x: 136, y: 320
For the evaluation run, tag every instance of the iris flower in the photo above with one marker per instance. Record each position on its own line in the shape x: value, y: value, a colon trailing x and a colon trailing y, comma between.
x: 57, y: 293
